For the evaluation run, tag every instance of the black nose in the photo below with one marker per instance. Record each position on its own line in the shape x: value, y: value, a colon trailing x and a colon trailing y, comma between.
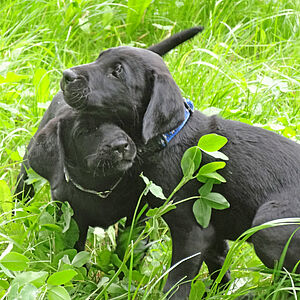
x: 69, y: 76
x: 120, y: 146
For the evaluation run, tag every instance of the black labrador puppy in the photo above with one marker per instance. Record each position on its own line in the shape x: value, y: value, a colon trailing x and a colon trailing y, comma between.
x: 263, y: 172
x: 87, y: 163
x: 59, y: 105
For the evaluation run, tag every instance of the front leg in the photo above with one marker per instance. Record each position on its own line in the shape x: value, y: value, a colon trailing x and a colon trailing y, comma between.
x: 83, y: 229
x: 188, y: 239
x: 215, y: 257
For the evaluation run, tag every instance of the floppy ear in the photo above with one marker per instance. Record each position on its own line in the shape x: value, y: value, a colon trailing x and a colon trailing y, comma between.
x: 165, y: 110
x: 46, y: 156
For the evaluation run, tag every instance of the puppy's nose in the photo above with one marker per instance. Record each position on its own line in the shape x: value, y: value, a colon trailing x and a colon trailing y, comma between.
x: 69, y: 76
x: 121, y: 146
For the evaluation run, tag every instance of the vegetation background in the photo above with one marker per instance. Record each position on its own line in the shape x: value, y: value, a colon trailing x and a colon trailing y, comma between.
x: 244, y: 66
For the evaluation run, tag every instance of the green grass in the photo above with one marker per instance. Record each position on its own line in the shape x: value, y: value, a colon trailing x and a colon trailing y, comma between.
x: 244, y: 66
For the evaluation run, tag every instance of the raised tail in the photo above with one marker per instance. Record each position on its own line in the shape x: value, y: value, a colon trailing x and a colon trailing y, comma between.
x: 173, y: 41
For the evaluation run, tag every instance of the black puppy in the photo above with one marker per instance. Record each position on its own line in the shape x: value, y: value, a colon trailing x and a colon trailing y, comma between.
x: 263, y: 173
x: 58, y: 104
x: 87, y: 163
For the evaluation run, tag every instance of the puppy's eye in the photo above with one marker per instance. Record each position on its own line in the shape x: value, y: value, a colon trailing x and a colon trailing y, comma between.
x: 117, y: 71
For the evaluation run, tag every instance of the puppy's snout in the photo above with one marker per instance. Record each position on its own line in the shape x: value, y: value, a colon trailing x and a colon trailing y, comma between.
x: 69, y: 76
x: 121, y: 146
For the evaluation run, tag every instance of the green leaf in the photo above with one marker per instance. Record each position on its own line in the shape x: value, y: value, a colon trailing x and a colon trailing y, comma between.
x: 103, y: 258
x: 61, y: 277
x: 156, y: 191
x: 70, y: 253
x: 217, y: 155
x: 12, y: 77
x: 5, y: 198
x: 202, y: 212
x: 58, y: 293
x: 206, y: 188
x: 28, y: 292
x: 51, y: 227
x: 81, y: 259
x: 35, y: 278
x: 35, y: 179
x: 216, y: 201
x: 14, y: 261
x: 190, y: 161
x: 197, y: 290
x: 66, y: 216
x: 212, y: 142
x: 4, y: 284
x: 213, y: 175
x: 211, y: 167
x: 153, y: 188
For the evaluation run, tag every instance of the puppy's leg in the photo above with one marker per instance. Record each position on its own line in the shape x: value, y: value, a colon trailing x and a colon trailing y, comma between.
x: 83, y: 229
x: 189, y: 242
x: 269, y: 243
x: 214, y: 259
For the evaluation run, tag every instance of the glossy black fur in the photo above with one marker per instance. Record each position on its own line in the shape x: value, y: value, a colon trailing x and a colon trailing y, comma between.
x: 78, y: 93
x: 135, y: 87
x: 76, y: 150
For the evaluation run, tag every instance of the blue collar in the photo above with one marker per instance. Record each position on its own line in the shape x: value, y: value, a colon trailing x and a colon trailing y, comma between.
x: 165, y: 138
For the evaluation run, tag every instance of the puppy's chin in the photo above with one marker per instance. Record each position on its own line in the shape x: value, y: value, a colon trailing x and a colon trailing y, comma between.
x: 124, y: 165
x: 116, y: 169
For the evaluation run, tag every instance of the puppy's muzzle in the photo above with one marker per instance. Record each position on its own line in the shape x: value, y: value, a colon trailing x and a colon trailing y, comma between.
x: 75, y: 89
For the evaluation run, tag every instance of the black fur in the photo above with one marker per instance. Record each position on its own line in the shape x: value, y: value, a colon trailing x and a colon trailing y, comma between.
x: 79, y: 92
x: 80, y: 156
x: 263, y: 172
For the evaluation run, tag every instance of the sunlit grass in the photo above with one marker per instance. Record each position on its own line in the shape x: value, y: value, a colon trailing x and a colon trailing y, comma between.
x: 244, y: 66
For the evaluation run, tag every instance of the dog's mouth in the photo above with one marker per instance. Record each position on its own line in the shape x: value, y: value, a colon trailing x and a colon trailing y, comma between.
x: 124, y: 165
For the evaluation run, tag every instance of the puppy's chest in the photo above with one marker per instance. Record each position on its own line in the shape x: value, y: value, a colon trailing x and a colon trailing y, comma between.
x: 164, y: 170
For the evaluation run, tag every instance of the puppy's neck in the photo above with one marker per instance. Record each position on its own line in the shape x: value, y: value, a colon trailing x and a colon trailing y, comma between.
x: 88, y: 180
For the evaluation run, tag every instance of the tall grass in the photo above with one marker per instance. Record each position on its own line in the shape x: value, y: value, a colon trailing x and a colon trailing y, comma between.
x: 244, y: 66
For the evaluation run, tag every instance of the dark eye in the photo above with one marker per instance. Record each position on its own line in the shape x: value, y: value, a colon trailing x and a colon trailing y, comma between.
x: 117, y: 70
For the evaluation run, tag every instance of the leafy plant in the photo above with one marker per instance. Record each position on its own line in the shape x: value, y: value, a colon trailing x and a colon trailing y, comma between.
x: 207, y: 175
x: 242, y: 67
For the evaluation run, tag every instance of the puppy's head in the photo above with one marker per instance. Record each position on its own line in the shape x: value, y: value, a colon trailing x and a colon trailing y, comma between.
x: 91, y: 149
x: 132, y: 85
x: 101, y: 149
x: 128, y: 84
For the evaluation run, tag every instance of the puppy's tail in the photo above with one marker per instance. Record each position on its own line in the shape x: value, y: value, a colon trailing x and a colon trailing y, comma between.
x: 173, y: 41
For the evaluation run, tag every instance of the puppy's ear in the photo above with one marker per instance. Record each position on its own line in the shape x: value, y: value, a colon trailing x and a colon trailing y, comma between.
x: 45, y: 156
x: 165, y: 110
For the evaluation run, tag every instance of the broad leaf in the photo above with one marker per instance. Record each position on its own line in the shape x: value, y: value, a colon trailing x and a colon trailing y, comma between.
x: 28, y: 292
x: 190, y: 161
x: 14, y: 261
x: 197, y: 290
x: 61, y: 277
x: 212, y: 142
x: 153, y: 188
x: 216, y: 201
x: 211, y: 167
x: 58, y: 293
x: 81, y: 259
x: 214, y: 175
x: 35, y: 278
x: 217, y: 155
x: 202, y: 212
x: 206, y: 188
